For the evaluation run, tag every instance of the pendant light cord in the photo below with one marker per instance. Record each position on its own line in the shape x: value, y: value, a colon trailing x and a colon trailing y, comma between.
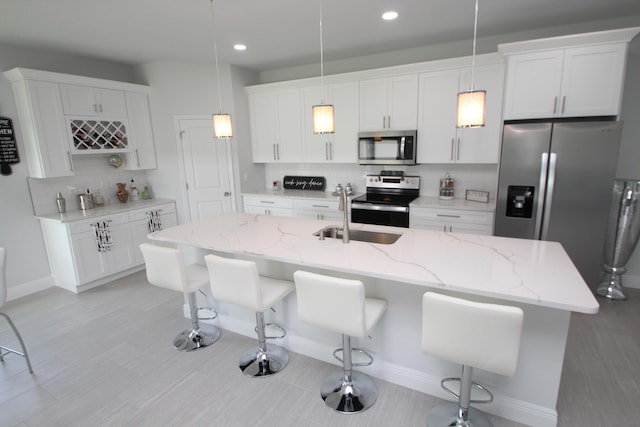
x: 215, y: 53
x: 321, y: 57
x: 473, y: 55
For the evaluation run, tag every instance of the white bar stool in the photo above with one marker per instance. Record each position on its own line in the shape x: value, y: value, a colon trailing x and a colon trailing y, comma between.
x: 237, y: 282
x: 340, y: 305
x: 480, y: 335
x: 166, y: 268
x: 3, y: 299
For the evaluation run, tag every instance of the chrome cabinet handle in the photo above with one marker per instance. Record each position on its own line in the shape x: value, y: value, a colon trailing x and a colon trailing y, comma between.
x: 274, y: 152
x: 458, y: 150
x: 70, y: 161
x: 564, y: 99
x: 452, y: 144
x: 555, y: 104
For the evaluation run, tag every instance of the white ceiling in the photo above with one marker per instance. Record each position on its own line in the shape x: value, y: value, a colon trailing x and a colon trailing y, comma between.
x: 278, y: 33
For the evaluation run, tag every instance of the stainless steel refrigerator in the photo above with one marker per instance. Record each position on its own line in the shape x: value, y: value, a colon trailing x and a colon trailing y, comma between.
x: 555, y: 184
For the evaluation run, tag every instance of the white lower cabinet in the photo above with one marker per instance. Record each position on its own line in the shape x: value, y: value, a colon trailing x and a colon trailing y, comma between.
x: 90, y: 252
x: 147, y: 220
x: 278, y: 206
x: 317, y: 209
x: 451, y: 220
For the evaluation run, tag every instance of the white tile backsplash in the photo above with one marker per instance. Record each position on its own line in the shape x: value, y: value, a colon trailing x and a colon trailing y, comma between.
x: 92, y: 172
x: 475, y: 177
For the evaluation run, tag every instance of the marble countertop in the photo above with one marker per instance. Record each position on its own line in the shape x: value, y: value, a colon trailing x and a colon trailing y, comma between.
x: 78, y: 214
x: 527, y: 271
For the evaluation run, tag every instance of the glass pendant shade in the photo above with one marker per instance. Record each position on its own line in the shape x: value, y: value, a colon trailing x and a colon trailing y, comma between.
x: 471, y: 108
x: 323, y: 118
x: 222, y: 126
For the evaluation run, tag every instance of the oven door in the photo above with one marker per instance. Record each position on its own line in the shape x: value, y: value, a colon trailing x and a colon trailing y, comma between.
x: 364, y: 213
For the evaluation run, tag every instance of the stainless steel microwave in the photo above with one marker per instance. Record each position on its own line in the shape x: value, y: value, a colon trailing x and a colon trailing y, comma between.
x: 387, y: 148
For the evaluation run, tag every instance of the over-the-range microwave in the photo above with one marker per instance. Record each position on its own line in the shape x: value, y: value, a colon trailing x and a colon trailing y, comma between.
x: 387, y: 148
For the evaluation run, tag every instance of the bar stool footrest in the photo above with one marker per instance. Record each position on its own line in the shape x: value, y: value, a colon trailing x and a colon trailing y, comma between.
x: 357, y: 350
x: 212, y: 317
x: 276, y: 326
x: 478, y: 386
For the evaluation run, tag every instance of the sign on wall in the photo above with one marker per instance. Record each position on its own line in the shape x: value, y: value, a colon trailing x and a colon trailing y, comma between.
x: 8, y: 146
x: 305, y: 182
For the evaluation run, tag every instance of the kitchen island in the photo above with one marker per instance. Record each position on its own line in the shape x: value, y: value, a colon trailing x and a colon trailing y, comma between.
x: 537, y: 276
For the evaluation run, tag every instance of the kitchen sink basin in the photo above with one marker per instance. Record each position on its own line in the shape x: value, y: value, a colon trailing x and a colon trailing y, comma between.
x: 360, y: 235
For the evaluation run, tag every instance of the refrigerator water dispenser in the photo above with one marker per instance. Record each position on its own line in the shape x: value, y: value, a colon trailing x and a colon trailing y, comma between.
x: 520, y: 201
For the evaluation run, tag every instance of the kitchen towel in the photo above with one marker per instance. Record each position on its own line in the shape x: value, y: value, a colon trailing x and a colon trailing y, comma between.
x: 102, y: 235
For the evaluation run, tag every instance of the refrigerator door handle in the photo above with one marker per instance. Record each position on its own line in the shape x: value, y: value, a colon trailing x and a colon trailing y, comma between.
x: 544, y: 162
x: 549, y: 195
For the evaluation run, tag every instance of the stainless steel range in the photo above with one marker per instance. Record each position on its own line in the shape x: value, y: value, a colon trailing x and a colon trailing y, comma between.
x: 387, y: 199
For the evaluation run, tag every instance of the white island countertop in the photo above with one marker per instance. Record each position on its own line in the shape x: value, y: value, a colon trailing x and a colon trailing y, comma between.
x: 527, y: 271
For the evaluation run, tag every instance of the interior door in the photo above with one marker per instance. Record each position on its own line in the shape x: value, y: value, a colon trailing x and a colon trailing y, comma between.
x: 207, y: 169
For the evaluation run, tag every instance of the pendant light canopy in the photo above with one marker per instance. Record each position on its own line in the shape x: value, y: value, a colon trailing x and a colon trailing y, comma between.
x: 221, y: 122
x: 472, y: 103
x: 322, y: 113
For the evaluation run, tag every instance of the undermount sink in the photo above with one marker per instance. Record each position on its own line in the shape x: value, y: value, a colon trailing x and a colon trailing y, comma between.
x: 360, y: 235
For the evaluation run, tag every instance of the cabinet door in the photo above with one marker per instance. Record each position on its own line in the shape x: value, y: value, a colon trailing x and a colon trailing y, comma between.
x: 140, y: 133
x: 344, y: 97
x: 264, y: 126
x: 592, y: 80
x: 482, y: 145
x: 79, y: 100
x: 276, y: 126
x: 373, y: 104
x: 437, y: 123
x: 289, y: 107
x: 403, y: 102
x: 46, y: 141
x: 93, y: 102
x: 339, y: 147
x: 121, y: 256
x: 533, y: 85
x: 90, y: 263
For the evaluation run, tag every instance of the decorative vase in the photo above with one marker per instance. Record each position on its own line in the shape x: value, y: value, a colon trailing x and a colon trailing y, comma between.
x: 122, y: 193
x: 622, y: 237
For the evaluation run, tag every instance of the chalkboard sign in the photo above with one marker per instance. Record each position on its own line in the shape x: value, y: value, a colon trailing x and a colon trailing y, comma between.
x: 8, y: 147
x: 305, y: 182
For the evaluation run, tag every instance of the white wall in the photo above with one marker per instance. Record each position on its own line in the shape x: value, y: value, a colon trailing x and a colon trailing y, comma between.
x: 183, y: 89
x: 19, y: 230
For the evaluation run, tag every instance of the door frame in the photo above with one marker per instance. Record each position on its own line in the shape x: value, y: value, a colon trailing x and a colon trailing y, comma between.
x: 183, y: 179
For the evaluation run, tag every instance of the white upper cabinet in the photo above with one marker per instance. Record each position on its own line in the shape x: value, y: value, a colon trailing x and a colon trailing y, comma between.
x: 276, y: 126
x: 439, y: 140
x: 389, y: 103
x: 341, y: 146
x: 93, y: 102
x: 43, y: 128
x: 140, y: 133
x: 575, y: 81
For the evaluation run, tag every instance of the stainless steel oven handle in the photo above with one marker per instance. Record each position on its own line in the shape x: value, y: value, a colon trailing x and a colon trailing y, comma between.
x: 385, y: 208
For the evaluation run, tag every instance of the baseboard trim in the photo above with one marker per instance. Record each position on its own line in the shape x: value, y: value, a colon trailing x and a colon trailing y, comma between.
x: 29, y: 288
x: 503, y: 406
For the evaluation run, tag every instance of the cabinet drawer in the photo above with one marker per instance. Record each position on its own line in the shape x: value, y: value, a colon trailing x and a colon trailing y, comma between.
x: 165, y: 209
x: 451, y: 216
x: 316, y: 205
x: 269, y: 202
x: 87, y: 224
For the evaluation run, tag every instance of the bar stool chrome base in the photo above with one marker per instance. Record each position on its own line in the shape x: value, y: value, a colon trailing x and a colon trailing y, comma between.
x: 193, y: 339
x: 258, y: 363
x: 349, y: 397
x: 446, y: 415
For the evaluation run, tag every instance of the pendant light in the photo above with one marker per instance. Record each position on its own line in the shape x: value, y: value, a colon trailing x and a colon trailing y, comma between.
x: 322, y: 113
x: 221, y: 122
x: 471, y: 103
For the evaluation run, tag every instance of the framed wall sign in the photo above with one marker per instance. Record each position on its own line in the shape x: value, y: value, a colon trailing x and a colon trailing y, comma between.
x: 8, y: 148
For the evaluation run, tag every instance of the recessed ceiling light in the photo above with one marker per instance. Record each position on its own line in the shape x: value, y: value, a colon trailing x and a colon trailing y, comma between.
x: 390, y: 15
x: 239, y: 47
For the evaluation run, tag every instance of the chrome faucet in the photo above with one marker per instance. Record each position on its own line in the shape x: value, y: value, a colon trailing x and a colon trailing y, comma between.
x: 344, y: 206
